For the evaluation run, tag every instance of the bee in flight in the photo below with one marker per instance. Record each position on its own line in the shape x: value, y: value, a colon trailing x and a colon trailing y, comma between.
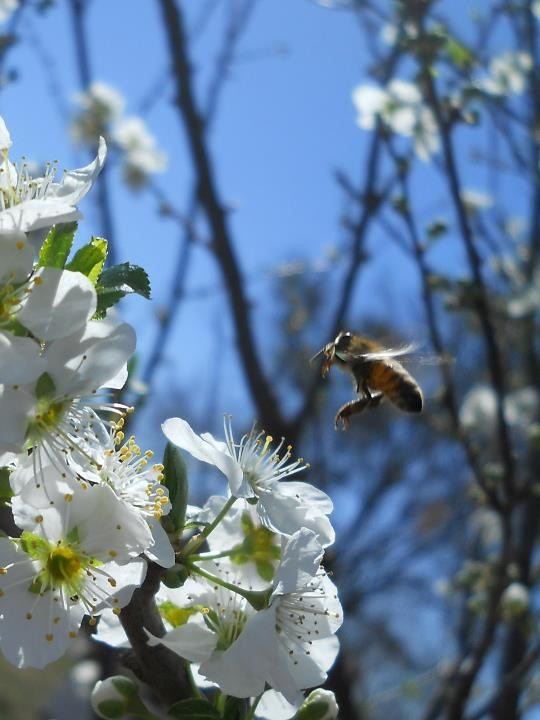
x: 375, y: 372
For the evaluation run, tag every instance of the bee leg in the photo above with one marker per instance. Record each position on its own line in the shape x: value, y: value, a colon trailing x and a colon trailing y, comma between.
x: 354, y: 407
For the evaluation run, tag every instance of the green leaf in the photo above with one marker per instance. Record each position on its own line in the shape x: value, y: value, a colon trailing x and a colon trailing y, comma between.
x: 106, y: 298
x: 118, y: 281
x: 55, y: 250
x: 89, y: 260
x: 193, y: 710
x: 128, y: 278
x: 459, y: 53
x: 175, y: 480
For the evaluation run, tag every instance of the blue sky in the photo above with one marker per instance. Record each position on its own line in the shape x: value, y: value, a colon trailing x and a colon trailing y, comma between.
x: 285, y: 124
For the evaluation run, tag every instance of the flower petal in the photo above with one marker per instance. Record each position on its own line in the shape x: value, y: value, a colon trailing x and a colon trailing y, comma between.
x: 180, y: 433
x: 60, y: 303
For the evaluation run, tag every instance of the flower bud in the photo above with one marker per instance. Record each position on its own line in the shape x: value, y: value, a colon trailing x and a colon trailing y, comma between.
x: 515, y: 599
x: 319, y: 705
x: 111, y: 697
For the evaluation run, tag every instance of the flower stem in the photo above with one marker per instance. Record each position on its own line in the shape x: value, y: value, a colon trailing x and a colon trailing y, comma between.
x: 196, y: 542
x: 256, y: 598
x: 251, y: 712
x: 209, y: 556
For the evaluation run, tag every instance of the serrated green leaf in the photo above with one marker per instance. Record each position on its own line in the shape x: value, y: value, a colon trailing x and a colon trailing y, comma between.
x: 106, y: 298
x: 193, y: 710
x: 118, y: 281
x: 89, y: 260
x: 128, y: 278
x: 175, y: 480
x: 57, y: 245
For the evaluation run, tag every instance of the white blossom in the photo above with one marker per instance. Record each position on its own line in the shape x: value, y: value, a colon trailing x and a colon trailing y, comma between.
x: 29, y: 204
x: 100, y: 106
x: 55, y: 417
x: 7, y: 8
x: 290, y: 645
x: 400, y: 106
x: 256, y: 472
x: 65, y: 565
x: 141, y: 157
x: 515, y: 598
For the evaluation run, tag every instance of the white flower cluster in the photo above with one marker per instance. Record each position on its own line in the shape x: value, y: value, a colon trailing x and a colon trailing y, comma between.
x: 400, y: 107
x: 102, y: 114
x: 258, y: 610
x: 86, y: 503
x: 255, y: 609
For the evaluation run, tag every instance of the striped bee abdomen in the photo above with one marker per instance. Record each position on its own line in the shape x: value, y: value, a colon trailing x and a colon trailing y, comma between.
x: 390, y: 377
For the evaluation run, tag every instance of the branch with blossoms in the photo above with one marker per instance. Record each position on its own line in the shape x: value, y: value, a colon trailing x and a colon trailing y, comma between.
x: 225, y: 610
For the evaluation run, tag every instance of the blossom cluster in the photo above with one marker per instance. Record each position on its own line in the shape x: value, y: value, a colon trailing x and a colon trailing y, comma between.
x: 250, y: 605
x: 101, y: 113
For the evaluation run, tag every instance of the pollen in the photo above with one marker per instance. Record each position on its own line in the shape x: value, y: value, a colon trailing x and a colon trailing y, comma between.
x: 49, y: 637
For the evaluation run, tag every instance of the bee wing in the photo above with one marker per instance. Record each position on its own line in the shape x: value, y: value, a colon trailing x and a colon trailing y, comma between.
x: 402, y: 353
x: 385, y: 353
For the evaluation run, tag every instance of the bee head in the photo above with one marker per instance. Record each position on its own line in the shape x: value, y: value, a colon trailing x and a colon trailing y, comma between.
x: 343, y: 341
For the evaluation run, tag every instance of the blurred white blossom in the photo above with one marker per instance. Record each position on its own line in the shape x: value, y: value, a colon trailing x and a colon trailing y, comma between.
x: 507, y: 74
x: 100, y: 105
x: 475, y: 200
x: 7, y: 8
x: 141, y: 157
x: 515, y: 599
x: 102, y: 113
x: 401, y: 108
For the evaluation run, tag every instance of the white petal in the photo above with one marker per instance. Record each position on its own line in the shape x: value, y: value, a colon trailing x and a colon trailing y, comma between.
x: 284, y: 514
x: 16, y: 404
x: 5, y: 137
x: 161, y: 552
x: 127, y: 579
x: 300, y: 562
x: 76, y: 183
x: 85, y: 361
x: 16, y: 256
x: 192, y: 641
x: 309, y: 494
x: 35, y: 214
x: 20, y: 360
x: 273, y: 706
x: 27, y: 619
x: 179, y: 432
x: 59, y: 305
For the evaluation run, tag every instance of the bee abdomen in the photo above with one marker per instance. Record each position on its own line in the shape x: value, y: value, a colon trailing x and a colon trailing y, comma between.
x: 397, y: 384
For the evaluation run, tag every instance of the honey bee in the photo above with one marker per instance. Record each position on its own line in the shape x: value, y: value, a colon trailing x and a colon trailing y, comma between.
x: 375, y: 372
